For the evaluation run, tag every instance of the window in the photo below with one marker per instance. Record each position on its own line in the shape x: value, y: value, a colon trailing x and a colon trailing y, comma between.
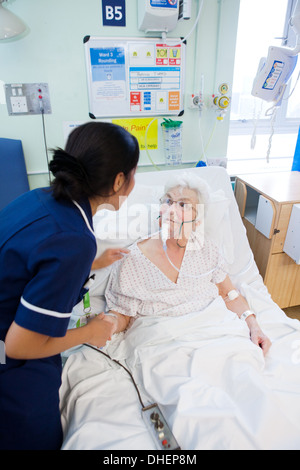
x: 253, y: 135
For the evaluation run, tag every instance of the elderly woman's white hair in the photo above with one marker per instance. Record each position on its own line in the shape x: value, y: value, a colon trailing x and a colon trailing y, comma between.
x: 190, y: 181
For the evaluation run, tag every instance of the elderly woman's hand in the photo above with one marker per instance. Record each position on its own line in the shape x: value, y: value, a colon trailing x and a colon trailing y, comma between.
x: 118, y: 321
x: 257, y: 336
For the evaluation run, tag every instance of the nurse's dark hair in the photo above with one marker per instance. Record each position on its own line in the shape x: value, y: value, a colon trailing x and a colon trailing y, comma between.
x: 94, y: 154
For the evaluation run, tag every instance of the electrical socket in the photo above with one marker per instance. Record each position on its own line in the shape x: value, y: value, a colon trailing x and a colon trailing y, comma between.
x: 19, y: 104
x: 217, y: 162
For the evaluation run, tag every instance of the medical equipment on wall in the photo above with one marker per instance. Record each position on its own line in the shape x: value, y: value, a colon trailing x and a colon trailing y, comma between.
x: 172, y: 137
x: 197, y: 99
x: 162, y: 16
x: 273, y: 77
x: 27, y: 98
x: 221, y: 101
x: 185, y: 9
x: 24, y: 99
x: 275, y: 71
x: 157, y: 15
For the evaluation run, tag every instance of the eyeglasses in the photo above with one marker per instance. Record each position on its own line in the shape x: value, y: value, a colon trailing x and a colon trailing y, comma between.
x: 181, y: 205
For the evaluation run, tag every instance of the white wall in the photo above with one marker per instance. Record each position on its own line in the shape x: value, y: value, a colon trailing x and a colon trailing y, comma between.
x: 52, y: 52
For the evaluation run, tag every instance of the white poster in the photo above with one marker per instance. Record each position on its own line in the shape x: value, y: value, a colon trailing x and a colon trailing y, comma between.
x: 134, y: 77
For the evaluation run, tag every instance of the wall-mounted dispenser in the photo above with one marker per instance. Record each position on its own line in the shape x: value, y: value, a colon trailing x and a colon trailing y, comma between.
x: 157, y: 15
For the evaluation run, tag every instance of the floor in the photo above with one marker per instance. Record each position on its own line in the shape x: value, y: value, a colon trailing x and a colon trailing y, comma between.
x: 293, y: 312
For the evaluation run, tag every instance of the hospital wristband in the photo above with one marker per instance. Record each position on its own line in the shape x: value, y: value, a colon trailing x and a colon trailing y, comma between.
x: 247, y: 314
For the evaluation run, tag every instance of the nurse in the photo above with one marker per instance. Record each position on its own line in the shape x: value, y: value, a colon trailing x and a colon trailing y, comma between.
x: 47, y: 246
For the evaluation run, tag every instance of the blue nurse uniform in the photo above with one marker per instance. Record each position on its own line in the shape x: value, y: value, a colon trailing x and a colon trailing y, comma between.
x: 46, y: 251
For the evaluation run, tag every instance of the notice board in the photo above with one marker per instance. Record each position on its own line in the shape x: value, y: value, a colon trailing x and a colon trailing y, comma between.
x: 134, y: 76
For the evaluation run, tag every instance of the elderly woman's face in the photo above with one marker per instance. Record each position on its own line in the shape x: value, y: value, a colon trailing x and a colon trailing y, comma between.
x: 179, y: 205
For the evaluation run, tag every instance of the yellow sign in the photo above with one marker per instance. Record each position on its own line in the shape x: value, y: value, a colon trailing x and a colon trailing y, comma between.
x: 138, y: 128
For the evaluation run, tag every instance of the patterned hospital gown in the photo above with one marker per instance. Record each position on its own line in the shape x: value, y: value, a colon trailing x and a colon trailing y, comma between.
x: 137, y: 287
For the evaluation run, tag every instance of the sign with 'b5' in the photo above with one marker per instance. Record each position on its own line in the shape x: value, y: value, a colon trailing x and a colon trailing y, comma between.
x: 113, y: 13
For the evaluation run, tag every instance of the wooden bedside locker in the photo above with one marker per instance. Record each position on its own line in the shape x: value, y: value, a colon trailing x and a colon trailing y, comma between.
x: 266, y: 202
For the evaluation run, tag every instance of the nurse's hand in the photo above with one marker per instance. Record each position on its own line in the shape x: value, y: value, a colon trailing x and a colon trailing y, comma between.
x: 24, y: 344
x: 100, y: 331
x: 108, y: 257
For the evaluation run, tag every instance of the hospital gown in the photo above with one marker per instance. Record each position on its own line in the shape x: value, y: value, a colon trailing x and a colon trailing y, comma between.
x: 137, y: 287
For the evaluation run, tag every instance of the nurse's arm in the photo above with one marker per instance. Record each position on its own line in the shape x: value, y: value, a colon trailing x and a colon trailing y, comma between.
x: 24, y: 344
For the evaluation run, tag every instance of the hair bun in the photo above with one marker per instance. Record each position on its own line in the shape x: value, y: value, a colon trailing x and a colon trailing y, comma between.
x: 64, y: 162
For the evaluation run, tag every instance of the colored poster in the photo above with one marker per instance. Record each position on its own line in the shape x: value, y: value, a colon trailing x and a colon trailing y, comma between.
x: 174, y: 100
x: 138, y: 128
x: 168, y: 55
x: 135, y: 101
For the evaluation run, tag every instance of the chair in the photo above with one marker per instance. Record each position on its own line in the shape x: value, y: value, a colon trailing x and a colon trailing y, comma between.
x: 13, y: 175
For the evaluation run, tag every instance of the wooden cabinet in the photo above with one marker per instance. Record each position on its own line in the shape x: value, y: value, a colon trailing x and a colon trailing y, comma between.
x: 265, y: 202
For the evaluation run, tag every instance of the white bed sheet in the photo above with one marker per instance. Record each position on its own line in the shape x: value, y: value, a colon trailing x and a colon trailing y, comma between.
x: 216, y: 389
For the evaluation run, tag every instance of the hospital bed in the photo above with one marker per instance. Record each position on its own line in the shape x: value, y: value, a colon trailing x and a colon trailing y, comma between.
x: 216, y: 390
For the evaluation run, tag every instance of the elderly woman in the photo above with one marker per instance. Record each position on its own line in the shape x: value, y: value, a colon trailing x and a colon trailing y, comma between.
x: 177, y: 271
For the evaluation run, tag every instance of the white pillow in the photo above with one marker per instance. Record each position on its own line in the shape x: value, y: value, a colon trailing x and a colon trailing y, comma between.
x: 218, y: 206
x: 218, y: 226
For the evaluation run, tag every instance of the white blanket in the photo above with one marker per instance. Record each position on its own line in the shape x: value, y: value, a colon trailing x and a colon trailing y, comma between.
x: 215, y: 387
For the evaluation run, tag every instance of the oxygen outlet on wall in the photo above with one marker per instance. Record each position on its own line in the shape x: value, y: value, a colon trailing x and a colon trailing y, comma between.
x: 197, y: 99
x: 221, y: 102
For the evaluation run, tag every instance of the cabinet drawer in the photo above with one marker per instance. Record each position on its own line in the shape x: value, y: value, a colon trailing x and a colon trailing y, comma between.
x: 282, y: 226
x: 281, y: 278
x: 265, y: 217
x: 257, y: 209
x: 240, y: 193
x: 295, y: 300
